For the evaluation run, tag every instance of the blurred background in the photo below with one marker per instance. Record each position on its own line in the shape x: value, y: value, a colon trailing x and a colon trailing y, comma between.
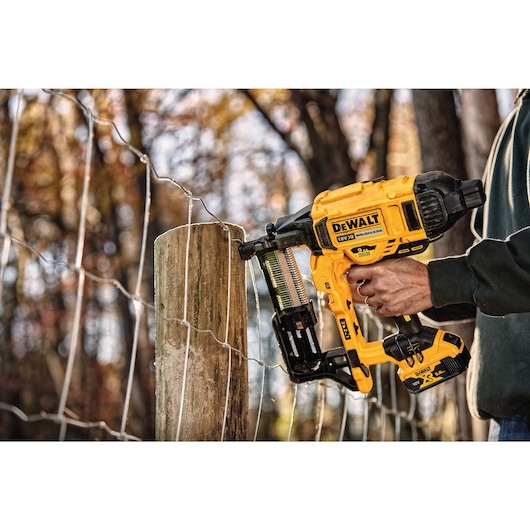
x: 251, y: 155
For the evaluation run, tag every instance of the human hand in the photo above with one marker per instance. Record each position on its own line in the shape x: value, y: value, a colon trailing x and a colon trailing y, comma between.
x: 393, y: 287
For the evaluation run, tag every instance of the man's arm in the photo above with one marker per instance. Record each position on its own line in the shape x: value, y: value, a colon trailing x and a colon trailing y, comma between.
x: 493, y: 275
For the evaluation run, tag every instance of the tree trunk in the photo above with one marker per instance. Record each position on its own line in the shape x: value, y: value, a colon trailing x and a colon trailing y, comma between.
x: 329, y: 165
x: 442, y: 149
x: 480, y: 123
x: 381, y: 131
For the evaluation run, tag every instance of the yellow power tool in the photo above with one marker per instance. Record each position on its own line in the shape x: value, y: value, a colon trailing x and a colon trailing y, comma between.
x: 362, y: 223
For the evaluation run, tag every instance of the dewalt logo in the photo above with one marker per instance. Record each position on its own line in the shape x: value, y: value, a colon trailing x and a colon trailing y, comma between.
x: 429, y: 377
x: 355, y: 223
x: 419, y: 373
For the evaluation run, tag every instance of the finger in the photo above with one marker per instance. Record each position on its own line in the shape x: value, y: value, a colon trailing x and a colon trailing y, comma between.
x: 360, y: 284
x: 358, y: 274
x: 381, y: 311
x: 372, y: 302
x: 365, y: 289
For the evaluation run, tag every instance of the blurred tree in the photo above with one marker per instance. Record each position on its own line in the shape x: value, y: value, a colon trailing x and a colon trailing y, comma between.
x: 322, y: 145
x: 380, y: 137
x: 442, y: 149
x: 480, y: 118
x: 458, y: 143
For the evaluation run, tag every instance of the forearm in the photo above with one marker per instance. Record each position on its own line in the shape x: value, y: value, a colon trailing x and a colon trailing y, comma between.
x: 493, y: 275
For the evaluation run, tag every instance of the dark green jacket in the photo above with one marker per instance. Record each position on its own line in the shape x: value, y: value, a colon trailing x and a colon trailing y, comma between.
x: 494, y: 276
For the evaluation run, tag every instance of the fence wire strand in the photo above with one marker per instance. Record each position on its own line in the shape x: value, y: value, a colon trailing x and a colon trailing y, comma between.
x: 76, y: 326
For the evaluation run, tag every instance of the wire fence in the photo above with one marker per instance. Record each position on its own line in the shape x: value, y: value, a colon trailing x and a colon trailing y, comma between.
x: 280, y: 410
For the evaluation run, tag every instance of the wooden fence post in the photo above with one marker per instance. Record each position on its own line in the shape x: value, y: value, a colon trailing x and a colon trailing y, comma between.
x: 201, y: 378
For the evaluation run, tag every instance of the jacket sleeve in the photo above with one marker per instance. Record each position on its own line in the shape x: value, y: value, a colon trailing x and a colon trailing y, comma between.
x: 493, y: 275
